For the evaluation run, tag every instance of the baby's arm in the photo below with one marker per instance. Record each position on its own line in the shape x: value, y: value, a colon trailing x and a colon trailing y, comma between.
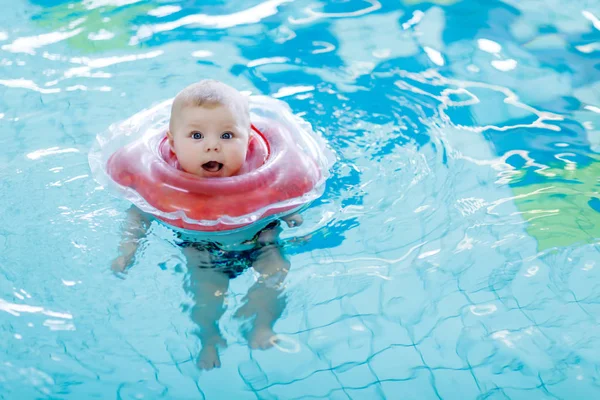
x: 293, y: 220
x: 135, y: 227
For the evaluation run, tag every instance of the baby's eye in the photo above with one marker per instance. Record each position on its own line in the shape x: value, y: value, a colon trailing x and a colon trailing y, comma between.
x: 227, y: 135
x: 197, y: 135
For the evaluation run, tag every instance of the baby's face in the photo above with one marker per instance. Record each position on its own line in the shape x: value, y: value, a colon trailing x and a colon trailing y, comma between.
x: 209, y: 141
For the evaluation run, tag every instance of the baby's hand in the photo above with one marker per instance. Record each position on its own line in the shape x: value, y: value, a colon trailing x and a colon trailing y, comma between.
x: 293, y: 220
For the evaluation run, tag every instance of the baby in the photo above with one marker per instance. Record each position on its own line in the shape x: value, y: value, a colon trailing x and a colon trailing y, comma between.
x: 209, y: 132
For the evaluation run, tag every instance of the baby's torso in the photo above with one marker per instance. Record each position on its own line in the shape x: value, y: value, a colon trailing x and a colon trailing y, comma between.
x: 243, y: 239
x: 230, y: 253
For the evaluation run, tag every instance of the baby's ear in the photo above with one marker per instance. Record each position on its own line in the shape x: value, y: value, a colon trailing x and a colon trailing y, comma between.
x: 170, y: 137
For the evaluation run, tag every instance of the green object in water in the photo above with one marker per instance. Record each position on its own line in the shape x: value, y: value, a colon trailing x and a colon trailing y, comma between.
x: 565, y: 210
x: 94, y: 29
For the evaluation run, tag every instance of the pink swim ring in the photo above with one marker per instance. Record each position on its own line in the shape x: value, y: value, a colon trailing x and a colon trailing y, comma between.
x: 286, y: 167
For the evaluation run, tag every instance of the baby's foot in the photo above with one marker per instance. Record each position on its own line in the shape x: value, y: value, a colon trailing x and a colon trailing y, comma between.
x: 209, y: 358
x: 261, y: 338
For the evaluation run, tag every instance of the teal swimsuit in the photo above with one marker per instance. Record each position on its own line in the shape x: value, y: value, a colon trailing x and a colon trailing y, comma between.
x: 231, y: 262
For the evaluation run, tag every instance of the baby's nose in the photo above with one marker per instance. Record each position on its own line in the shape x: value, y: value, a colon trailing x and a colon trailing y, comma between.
x: 210, y: 147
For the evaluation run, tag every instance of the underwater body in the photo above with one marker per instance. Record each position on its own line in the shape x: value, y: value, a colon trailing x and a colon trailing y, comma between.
x: 453, y: 254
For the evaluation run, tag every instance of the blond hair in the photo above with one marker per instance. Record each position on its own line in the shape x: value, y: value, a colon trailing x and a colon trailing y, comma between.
x: 209, y: 92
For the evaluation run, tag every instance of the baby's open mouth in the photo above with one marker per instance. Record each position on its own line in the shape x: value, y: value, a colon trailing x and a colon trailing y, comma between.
x: 212, y: 166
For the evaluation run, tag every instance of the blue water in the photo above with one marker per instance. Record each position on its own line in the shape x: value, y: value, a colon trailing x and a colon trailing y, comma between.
x: 454, y: 254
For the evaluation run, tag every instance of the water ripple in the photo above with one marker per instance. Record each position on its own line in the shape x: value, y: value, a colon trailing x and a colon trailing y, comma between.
x: 453, y: 254
x: 313, y: 15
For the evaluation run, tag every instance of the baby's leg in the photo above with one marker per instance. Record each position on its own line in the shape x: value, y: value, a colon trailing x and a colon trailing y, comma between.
x: 263, y: 301
x: 208, y: 287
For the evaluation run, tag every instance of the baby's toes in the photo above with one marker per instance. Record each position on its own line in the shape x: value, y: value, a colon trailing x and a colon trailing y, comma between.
x: 209, y: 358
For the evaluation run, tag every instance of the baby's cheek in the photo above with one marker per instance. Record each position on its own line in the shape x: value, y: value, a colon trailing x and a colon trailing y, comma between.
x: 240, y: 153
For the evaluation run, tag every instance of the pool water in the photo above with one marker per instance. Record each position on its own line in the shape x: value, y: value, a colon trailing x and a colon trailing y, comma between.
x: 454, y: 254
